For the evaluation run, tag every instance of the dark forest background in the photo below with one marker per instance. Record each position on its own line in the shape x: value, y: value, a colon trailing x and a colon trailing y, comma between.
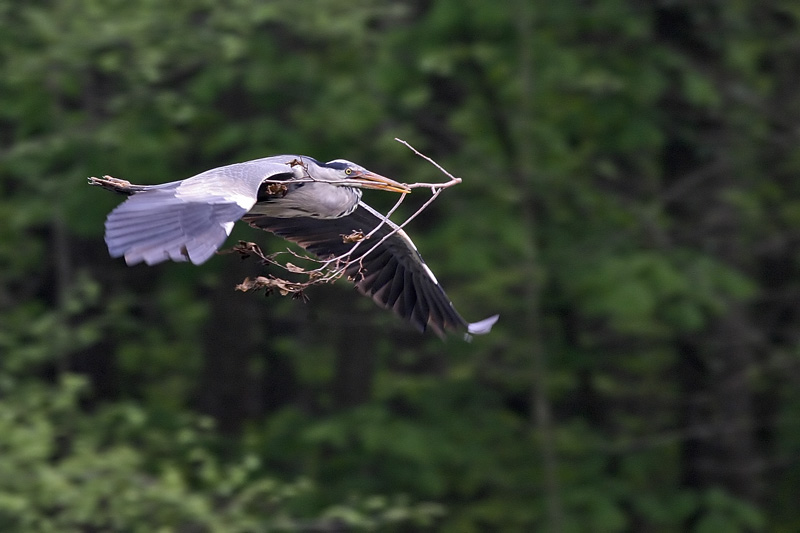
x: 630, y: 207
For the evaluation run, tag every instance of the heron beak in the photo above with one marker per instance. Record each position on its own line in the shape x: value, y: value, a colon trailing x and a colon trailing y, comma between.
x: 370, y: 180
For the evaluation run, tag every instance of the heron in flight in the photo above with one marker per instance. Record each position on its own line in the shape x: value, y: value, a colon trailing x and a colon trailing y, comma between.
x: 311, y: 203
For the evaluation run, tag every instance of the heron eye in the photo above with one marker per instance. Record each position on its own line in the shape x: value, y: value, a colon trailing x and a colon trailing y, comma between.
x: 348, y: 171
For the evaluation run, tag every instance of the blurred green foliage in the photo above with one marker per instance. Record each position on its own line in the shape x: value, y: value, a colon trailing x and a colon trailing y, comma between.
x: 117, y: 470
x: 630, y: 205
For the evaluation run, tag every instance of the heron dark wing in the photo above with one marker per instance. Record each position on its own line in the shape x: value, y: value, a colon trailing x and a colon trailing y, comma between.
x: 393, y: 273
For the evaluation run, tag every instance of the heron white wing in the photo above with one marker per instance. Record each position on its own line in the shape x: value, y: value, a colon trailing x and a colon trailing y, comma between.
x: 188, y: 219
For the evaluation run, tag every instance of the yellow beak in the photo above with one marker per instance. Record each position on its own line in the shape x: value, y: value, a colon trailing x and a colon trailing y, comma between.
x: 370, y: 180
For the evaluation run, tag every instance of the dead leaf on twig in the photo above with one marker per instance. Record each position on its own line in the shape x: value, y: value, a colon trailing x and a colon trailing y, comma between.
x: 277, y: 189
x: 294, y: 269
x: 356, y: 276
x: 356, y: 236
x: 272, y: 284
x: 245, y: 249
x: 250, y: 284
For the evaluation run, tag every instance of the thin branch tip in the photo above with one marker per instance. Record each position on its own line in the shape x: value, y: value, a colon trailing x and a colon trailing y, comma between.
x: 433, y: 186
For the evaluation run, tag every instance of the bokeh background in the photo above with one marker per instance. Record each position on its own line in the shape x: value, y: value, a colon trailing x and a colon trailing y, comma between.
x: 630, y: 206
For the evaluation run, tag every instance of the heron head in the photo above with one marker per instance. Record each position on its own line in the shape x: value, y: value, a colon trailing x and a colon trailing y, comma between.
x: 347, y: 174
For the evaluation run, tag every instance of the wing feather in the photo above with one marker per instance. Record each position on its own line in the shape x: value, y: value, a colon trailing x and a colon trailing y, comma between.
x: 188, y: 219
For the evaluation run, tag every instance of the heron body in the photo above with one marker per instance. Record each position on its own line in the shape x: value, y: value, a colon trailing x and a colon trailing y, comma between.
x: 296, y: 197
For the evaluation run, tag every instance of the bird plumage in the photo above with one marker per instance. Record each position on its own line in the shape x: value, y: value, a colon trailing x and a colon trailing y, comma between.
x: 296, y: 197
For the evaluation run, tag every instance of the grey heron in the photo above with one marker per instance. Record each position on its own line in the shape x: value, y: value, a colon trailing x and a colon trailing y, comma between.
x: 311, y: 203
